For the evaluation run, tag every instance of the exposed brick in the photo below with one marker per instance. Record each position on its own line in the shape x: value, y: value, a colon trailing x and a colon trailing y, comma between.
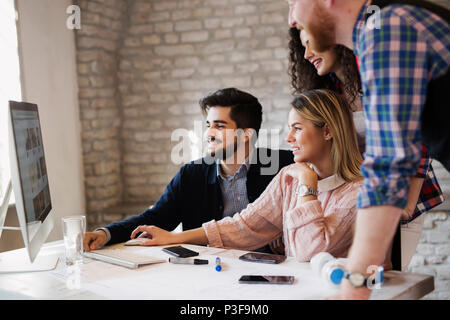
x: 151, y: 40
x: 182, y: 26
x: 194, y: 36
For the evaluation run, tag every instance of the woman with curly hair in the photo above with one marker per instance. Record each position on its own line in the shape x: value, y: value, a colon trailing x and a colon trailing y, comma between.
x: 336, y: 69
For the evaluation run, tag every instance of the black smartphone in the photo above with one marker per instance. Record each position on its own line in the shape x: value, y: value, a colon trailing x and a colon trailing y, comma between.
x: 180, y: 252
x: 254, y: 279
x: 262, y: 257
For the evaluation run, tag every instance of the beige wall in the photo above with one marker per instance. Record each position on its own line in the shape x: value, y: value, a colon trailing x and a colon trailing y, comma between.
x: 49, y: 80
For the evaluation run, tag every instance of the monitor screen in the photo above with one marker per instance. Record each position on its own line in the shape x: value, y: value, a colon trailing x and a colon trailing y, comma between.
x: 30, y: 184
x: 31, y: 165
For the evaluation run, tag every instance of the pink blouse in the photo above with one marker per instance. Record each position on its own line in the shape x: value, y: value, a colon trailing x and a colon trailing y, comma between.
x: 319, y: 225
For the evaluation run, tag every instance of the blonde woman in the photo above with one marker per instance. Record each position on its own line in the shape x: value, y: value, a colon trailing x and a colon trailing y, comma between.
x: 311, y: 203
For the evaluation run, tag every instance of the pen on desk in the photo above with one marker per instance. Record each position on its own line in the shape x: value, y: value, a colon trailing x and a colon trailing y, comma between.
x: 218, y: 264
x: 187, y: 261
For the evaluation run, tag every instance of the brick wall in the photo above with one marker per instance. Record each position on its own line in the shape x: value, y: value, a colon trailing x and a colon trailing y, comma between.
x: 98, y: 43
x: 143, y: 66
x: 433, y: 252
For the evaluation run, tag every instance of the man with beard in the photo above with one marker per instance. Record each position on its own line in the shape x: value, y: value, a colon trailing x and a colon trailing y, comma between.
x: 403, y: 51
x: 221, y: 184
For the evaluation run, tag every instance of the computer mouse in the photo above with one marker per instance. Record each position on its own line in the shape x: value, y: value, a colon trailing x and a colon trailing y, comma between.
x: 135, y: 242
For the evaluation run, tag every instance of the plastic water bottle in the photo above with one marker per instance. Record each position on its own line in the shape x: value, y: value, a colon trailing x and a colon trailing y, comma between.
x: 328, y: 268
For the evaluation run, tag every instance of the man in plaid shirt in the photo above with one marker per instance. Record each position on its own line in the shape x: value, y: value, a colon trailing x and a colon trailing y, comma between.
x: 401, y: 49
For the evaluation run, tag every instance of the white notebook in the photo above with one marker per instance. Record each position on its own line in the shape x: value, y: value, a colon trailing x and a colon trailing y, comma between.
x: 123, y: 256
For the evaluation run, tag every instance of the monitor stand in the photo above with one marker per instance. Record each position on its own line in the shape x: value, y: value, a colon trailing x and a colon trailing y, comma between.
x: 4, y: 206
x: 18, y: 260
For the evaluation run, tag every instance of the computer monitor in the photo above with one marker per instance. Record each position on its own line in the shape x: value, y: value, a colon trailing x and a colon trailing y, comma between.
x: 29, y: 177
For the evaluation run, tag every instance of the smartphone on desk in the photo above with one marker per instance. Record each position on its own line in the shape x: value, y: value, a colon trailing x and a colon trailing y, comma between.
x: 180, y: 252
x: 255, y: 279
x: 262, y: 257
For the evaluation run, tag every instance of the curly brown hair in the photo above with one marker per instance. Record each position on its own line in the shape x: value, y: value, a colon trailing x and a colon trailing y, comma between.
x: 304, y: 76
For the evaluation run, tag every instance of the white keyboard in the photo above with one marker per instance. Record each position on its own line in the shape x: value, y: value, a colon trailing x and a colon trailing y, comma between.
x: 122, y: 257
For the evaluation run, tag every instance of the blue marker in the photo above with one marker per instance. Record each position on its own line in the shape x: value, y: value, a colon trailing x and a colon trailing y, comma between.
x: 380, y: 275
x: 218, y: 265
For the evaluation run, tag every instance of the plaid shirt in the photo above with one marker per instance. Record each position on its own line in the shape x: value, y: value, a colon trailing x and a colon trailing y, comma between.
x: 397, y: 61
x: 431, y: 194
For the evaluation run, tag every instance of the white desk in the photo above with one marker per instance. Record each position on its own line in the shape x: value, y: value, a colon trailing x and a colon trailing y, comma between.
x: 166, y: 281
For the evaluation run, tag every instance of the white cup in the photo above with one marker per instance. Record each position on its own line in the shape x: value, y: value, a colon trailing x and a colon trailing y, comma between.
x: 74, y: 228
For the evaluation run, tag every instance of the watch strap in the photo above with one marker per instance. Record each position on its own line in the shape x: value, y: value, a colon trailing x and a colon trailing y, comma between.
x: 309, y: 191
x: 363, y: 284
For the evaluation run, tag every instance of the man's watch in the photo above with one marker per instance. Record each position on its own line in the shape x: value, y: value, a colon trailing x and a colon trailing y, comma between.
x: 356, y: 279
x: 304, y: 190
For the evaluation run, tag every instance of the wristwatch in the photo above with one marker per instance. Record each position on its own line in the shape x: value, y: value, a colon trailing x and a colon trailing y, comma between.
x: 356, y: 279
x: 304, y: 190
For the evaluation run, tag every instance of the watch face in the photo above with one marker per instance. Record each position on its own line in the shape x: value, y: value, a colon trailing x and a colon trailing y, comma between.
x: 303, y: 189
x: 356, y: 279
